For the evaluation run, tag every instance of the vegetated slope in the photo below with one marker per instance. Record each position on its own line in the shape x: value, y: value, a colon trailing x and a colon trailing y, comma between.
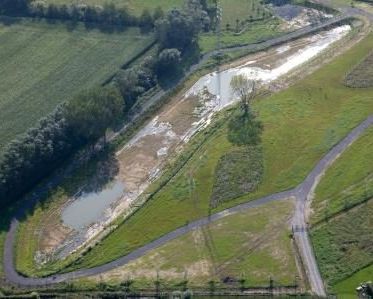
x: 251, y: 246
x: 344, y: 233
x: 43, y: 64
x: 347, y: 182
x: 135, y: 6
x: 362, y: 75
x: 300, y: 125
x: 344, y: 244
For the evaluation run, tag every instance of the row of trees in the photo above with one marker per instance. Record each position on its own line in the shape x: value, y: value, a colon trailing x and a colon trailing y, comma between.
x: 40, y: 150
x: 107, y: 14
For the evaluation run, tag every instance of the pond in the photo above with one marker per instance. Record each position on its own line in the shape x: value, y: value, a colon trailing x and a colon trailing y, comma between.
x: 90, y: 207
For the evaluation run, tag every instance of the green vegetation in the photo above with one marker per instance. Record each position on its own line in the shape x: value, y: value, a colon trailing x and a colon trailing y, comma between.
x: 361, y: 76
x: 237, y: 12
x: 52, y: 64
x: 135, y: 6
x: 291, y: 147
x: 346, y: 288
x: 240, y: 247
x: 349, y: 181
x: 342, y: 234
x: 244, y: 22
x: 238, y: 172
x: 344, y: 244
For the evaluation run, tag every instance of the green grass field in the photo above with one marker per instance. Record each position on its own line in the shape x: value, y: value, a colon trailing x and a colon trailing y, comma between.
x: 300, y: 125
x: 256, y: 32
x: 344, y: 244
x: 239, y: 246
x: 45, y: 64
x: 347, y: 182
x: 262, y: 26
x: 346, y: 288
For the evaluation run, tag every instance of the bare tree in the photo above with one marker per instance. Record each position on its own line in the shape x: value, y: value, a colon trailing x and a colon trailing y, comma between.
x: 245, y: 89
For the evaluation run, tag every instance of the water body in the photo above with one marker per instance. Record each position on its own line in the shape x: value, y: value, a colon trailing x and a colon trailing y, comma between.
x: 90, y: 207
x: 219, y: 83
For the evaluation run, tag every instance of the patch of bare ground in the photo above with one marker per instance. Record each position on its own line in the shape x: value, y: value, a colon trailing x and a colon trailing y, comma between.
x: 254, y: 243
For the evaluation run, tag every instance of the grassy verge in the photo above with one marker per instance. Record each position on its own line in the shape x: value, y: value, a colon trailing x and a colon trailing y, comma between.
x: 300, y: 125
x: 239, y: 246
x: 344, y: 245
x: 346, y: 289
x: 349, y: 181
x: 53, y: 61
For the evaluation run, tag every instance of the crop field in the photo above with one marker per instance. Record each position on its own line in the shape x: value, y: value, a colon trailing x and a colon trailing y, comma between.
x: 43, y: 64
x: 288, y: 117
x: 236, y: 247
x: 344, y: 244
x: 347, y: 182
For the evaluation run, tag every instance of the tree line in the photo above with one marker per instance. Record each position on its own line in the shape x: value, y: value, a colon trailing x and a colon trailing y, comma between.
x: 86, y: 117
x: 107, y: 14
x: 34, y: 155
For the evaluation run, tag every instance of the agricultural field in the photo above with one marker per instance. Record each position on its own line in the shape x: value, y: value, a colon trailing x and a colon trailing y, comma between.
x: 45, y: 64
x: 288, y: 117
x: 236, y: 247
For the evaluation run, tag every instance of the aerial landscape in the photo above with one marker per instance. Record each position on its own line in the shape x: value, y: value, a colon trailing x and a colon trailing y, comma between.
x: 186, y: 148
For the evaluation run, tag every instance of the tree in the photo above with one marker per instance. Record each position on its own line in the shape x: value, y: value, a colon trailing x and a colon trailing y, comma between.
x: 92, y: 112
x: 168, y: 62
x: 245, y: 90
x: 176, y: 30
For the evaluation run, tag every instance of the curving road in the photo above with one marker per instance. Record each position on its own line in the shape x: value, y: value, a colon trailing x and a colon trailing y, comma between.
x: 302, y: 193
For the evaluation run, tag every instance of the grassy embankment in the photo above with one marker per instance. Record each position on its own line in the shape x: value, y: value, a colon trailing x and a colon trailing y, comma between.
x: 301, y: 125
x: 343, y: 212
x: 45, y: 64
x: 239, y: 246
